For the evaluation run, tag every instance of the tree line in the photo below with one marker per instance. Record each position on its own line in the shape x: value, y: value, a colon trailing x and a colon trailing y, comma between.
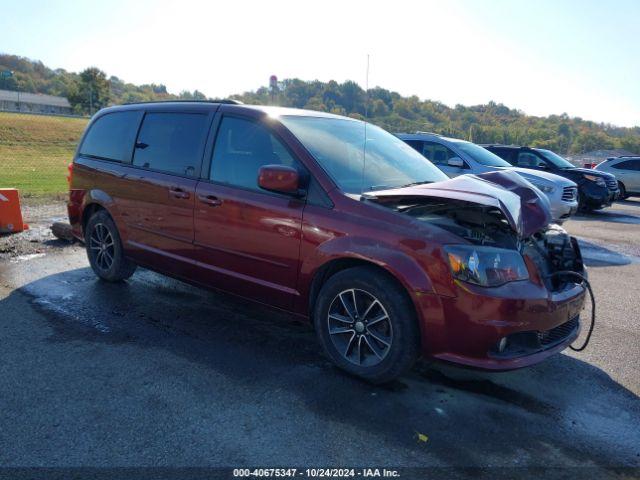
x: 490, y: 123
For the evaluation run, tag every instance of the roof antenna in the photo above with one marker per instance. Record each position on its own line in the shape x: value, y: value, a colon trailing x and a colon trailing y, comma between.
x: 366, y: 118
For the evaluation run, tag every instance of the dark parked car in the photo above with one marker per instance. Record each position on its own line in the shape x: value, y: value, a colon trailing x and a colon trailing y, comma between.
x: 388, y: 257
x: 595, y: 189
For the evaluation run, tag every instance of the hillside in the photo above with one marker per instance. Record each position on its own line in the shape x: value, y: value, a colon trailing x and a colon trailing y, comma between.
x: 35, y: 151
x: 492, y: 122
x: 480, y: 123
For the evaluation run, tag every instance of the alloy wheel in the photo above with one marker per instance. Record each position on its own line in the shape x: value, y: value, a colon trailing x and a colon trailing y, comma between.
x: 102, y: 246
x: 359, y: 327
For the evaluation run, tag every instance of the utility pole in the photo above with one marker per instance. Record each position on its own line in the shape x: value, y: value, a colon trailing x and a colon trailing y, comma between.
x: 90, y: 100
x: 273, y: 87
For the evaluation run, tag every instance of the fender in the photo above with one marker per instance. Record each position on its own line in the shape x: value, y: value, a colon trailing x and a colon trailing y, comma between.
x: 82, y: 200
x: 401, y: 266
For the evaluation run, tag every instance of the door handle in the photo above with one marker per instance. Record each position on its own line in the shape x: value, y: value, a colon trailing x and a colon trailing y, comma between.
x: 177, y: 192
x: 210, y: 200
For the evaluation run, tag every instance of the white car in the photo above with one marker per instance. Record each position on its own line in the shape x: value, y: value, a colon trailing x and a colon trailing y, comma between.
x: 458, y: 157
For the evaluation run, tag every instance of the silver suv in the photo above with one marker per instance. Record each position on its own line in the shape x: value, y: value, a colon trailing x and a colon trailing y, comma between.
x: 627, y: 172
x: 457, y: 157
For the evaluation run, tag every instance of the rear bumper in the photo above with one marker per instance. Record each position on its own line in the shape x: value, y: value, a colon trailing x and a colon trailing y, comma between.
x: 75, y: 208
x: 471, y: 325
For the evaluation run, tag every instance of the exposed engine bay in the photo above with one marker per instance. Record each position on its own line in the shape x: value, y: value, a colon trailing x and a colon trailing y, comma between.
x: 506, y: 223
x: 478, y: 224
x: 552, y: 249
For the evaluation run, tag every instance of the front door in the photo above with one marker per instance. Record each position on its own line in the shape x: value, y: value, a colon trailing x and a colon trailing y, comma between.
x: 440, y: 156
x: 247, y: 240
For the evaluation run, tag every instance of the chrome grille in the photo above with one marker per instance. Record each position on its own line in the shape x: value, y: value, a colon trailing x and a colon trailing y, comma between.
x: 569, y: 194
x: 612, y: 183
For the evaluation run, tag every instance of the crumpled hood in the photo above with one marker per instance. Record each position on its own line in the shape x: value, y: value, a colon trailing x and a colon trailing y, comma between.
x: 525, y: 207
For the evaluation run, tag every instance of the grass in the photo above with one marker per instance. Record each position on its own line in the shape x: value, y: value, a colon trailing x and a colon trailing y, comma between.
x: 35, y: 151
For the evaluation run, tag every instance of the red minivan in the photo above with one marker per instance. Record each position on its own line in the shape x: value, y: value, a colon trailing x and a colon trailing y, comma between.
x: 332, y: 219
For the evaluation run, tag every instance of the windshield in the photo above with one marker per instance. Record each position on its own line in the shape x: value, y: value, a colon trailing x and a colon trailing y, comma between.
x: 482, y: 155
x: 338, y: 146
x: 554, y: 158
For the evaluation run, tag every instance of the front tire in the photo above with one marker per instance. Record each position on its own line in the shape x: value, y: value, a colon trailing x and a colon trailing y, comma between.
x: 367, y: 324
x: 104, y: 249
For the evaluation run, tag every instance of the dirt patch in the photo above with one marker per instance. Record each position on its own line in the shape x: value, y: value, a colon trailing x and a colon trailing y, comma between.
x: 38, y: 239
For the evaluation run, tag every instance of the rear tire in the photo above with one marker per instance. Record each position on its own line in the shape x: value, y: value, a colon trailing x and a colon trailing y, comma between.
x: 623, y: 191
x: 367, y: 324
x: 104, y: 249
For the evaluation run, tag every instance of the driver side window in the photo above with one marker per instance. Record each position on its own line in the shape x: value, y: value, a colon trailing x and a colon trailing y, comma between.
x: 438, y: 154
x: 242, y: 147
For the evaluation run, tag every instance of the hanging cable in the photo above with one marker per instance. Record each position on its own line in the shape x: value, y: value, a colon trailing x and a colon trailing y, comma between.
x: 585, y: 282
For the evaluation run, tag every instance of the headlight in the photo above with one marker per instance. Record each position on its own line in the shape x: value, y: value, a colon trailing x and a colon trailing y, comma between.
x: 544, y: 188
x: 599, y: 180
x: 485, y: 266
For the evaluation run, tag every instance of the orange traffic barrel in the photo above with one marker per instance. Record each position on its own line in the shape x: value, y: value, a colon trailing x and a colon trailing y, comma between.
x: 10, y: 213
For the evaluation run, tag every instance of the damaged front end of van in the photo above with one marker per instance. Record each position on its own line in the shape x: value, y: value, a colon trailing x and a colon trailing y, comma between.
x: 516, y: 280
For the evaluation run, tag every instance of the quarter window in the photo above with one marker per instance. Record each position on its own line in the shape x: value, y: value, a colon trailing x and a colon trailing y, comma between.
x: 242, y: 147
x: 171, y: 142
x: 111, y: 136
x: 627, y: 165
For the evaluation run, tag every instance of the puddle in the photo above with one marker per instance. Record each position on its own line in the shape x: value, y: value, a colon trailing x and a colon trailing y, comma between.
x: 595, y: 255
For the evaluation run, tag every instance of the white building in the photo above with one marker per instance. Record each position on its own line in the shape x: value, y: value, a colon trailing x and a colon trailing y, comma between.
x: 33, y: 103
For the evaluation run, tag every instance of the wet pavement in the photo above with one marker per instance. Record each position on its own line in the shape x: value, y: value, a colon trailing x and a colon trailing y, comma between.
x: 154, y: 372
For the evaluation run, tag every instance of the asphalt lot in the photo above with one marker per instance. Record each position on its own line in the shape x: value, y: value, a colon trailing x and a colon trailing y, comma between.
x: 154, y: 372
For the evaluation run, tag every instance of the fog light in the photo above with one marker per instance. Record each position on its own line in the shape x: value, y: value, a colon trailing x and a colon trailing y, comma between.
x: 502, y: 344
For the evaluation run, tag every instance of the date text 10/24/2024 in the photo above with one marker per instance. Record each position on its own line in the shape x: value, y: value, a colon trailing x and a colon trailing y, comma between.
x: 317, y: 472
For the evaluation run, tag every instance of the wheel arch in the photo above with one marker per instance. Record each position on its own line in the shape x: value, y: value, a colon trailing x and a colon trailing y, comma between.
x: 89, y: 211
x: 94, y: 201
x: 407, y: 283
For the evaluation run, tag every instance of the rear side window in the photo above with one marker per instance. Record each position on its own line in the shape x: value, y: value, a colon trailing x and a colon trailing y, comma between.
x: 415, y: 144
x: 530, y: 160
x: 242, y: 147
x: 627, y: 165
x: 171, y: 142
x: 111, y: 136
x: 504, y: 154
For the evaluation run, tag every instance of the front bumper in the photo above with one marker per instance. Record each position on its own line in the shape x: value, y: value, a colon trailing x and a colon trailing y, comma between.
x: 595, y: 196
x: 470, y: 325
x: 561, y: 210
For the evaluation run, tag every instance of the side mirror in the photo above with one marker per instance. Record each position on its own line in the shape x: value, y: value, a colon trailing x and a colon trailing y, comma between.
x: 455, y: 162
x: 279, y: 178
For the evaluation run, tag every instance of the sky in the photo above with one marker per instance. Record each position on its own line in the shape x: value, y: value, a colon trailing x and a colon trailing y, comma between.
x: 542, y: 57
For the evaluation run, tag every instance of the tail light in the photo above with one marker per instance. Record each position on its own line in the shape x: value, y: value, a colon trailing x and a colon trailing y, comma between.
x: 70, y: 174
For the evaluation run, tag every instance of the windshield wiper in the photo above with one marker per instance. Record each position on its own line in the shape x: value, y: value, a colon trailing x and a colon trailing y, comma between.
x: 413, y: 184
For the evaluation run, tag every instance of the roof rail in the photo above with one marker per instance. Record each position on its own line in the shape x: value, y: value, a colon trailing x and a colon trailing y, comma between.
x: 501, y: 145
x: 418, y: 132
x: 226, y: 101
